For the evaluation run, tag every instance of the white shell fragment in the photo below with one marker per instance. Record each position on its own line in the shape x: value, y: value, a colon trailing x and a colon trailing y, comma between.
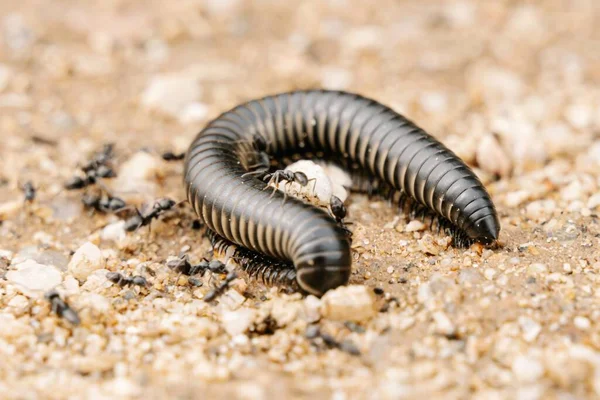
x: 321, y: 185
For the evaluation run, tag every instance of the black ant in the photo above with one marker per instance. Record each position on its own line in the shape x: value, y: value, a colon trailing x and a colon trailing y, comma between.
x: 121, y: 280
x: 289, y: 176
x: 220, y: 289
x: 140, y: 219
x: 99, y: 159
x: 29, y: 191
x: 61, y: 308
x: 170, y: 156
x: 183, y: 266
x: 91, y: 177
x: 103, y: 204
x: 338, y: 210
x: 95, y: 169
x: 313, y: 332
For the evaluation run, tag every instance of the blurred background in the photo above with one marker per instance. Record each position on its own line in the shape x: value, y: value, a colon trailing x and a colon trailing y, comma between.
x: 511, y: 86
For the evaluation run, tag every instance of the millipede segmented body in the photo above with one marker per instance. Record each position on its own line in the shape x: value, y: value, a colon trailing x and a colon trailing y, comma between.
x: 362, y: 135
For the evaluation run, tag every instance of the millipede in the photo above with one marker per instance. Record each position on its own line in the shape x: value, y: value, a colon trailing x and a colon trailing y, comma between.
x: 383, y: 151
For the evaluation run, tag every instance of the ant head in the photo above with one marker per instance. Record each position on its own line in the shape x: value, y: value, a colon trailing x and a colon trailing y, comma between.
x: 116, y: 203
x: 139, y: 280
x: 165, y: 204
x: 105, y: 172
x: 337, y: 207
x: 75, y: 182
x: 114, y: 277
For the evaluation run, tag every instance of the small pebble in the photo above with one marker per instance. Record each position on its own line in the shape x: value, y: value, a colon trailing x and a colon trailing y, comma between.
x: 414, y: 226
x: 527, y: 369
x: 34, y: 279
x: 349, y: 303
x: 172, y: 95
x: 87, y: 259
x: 582, y: 323
x: 239, y: 321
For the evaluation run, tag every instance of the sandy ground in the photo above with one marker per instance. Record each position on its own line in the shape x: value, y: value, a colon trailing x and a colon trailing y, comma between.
x: 511, y: 86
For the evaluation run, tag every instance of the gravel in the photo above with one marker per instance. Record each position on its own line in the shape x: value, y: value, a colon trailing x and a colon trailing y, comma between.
x: 511, y: 87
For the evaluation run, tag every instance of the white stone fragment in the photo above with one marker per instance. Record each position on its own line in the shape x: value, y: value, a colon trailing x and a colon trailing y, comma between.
x: 489, y: 273
x: 582, y: 323
x: 414, y: 226
x: 530, y: 329
x: 319, y: 188
x: 87, y: 259
x: 492, y: 158
x: 593, y: 201
x: 6, y: 254
x: 340, y: 180
x: 312, y: 306
x: 443, y: 325
x: 114, y: 232
x: 349, y: 303
x: 232, y: 299
x: 527, y: 369
x: 19, y: 304
x: 579, y: 115
x: 239, y: 321
x: 171, y: 94
x: 33, y: 278
x: 193, y: 113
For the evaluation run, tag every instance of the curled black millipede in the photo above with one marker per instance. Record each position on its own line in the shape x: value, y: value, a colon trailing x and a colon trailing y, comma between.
x: 384, y: 151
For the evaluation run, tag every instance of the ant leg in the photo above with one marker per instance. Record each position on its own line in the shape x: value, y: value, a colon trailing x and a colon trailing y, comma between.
x: 257, y: 173
x: 314, y: 181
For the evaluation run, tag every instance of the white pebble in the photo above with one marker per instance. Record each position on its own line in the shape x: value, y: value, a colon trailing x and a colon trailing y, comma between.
x: 312, y: 308
x: 171, y: 94
x: 433, y: 102
x: 318, y: 191
x: 239, y: 321
x: 527, y: 369
x: 87, y: 259
x: 349, y: 303
x: 114, y: 232
x: 579, y: 115
x: 414, y: 226
x: 492, y: 158
x: 489, y: 273
x: 443, y: 325
x: 33, y: 278
x: 6, y: 254
x: 530, y: 329
x: 582, y: 323
x: 193, y: 113
x: 19, y: 304
x: 593, y: 201
x: 335, y: 78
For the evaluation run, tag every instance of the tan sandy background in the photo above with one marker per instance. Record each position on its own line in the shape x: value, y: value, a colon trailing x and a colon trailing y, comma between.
x: 511, y: 86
